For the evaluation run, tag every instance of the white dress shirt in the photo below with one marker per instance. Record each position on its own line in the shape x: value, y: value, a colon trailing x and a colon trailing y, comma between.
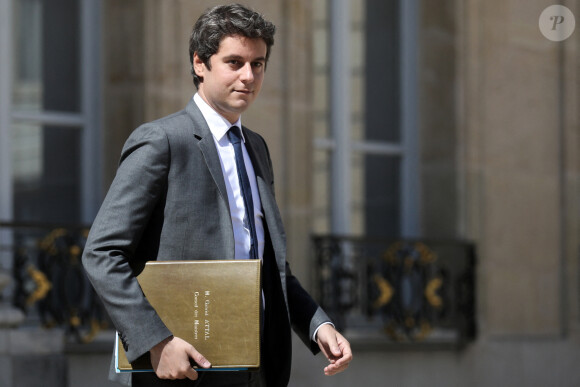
x: 219, y: 127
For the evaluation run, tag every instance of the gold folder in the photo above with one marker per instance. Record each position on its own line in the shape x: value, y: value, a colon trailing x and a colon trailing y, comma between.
x: 213, y: 305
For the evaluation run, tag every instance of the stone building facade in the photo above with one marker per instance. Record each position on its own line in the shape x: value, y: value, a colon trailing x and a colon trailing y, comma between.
x: 434, y: 120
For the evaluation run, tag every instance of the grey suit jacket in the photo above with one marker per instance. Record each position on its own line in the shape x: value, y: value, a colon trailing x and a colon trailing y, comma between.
x: 168, y: 201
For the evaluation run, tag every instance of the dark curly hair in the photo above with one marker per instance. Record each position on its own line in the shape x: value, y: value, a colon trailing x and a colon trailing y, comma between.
x: 226, y: 20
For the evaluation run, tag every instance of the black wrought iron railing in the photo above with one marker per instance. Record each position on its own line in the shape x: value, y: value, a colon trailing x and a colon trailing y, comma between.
x: 379, y: 291
x: 49, y: 283
x: 396, y: 291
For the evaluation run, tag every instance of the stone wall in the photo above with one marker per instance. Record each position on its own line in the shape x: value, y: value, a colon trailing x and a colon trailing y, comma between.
x: 518, y: 167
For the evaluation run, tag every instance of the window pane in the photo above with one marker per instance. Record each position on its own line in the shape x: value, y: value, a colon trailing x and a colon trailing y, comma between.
x: 46, y: 55
x: 27, y: 88
x: 46, y: 173
x: 381, y: 195
x: 381, y: 66
x: 27, y: 153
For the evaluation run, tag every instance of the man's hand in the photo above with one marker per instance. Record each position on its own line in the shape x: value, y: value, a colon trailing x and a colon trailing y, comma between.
x: 335, y: 347
x: 171, y: 359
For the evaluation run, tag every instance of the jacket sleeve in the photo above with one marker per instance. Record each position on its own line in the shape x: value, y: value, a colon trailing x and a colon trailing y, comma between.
x: 110, y: 258
x: 305, y: 314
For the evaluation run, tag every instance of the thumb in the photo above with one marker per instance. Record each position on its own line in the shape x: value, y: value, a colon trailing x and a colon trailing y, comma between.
x: 334, y: 348
x: 332, y: 345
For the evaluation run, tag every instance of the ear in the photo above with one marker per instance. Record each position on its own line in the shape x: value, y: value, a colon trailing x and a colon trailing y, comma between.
x: 198, y: 66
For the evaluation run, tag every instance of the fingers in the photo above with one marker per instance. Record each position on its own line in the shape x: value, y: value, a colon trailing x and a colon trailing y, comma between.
x: 171, y: 359
x: 177, y: 371
x: 337, y: 365
x: 342, y: 362
x: 189, y: 373
x: 336, y: 349
x: 333, y: 369
x: 344, y: 349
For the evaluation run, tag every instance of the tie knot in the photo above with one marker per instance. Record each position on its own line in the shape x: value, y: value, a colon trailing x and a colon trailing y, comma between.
x: 234, y: 135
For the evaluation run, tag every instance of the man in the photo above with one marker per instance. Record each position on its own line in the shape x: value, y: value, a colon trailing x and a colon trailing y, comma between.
x: 180, y: 194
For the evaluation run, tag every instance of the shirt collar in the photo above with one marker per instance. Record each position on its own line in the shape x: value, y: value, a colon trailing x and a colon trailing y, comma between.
x: 218, y: 125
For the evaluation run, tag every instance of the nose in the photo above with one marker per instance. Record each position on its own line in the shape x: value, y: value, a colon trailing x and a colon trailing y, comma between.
x: 247, y: 73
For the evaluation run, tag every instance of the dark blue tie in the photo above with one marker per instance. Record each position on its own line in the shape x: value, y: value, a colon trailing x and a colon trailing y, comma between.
x: 234, y: 136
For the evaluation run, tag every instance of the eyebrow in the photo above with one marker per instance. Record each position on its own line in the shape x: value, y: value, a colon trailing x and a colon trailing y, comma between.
x: 239, y: 57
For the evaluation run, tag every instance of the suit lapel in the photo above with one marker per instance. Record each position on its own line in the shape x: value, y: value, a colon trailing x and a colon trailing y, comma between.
x: 263, y: 176
x: 207, y: 147
x: 273, y: 221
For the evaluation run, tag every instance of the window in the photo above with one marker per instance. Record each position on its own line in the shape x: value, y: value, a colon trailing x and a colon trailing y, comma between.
x: 365, y: 141
x: 50, y: 122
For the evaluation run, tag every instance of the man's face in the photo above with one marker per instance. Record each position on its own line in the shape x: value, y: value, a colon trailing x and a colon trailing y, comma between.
x: 236, y: 75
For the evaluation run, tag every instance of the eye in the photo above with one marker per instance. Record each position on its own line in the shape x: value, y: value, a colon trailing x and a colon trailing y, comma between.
x: 258, y: 65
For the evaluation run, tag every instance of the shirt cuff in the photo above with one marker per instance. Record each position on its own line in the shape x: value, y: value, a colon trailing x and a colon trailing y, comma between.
x: 316, y: 331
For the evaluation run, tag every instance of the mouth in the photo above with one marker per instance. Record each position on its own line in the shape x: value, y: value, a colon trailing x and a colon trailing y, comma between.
x: 244, y: 91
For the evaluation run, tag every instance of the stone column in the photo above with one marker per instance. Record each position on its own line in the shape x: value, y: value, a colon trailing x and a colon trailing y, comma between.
x: 518, y: 165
